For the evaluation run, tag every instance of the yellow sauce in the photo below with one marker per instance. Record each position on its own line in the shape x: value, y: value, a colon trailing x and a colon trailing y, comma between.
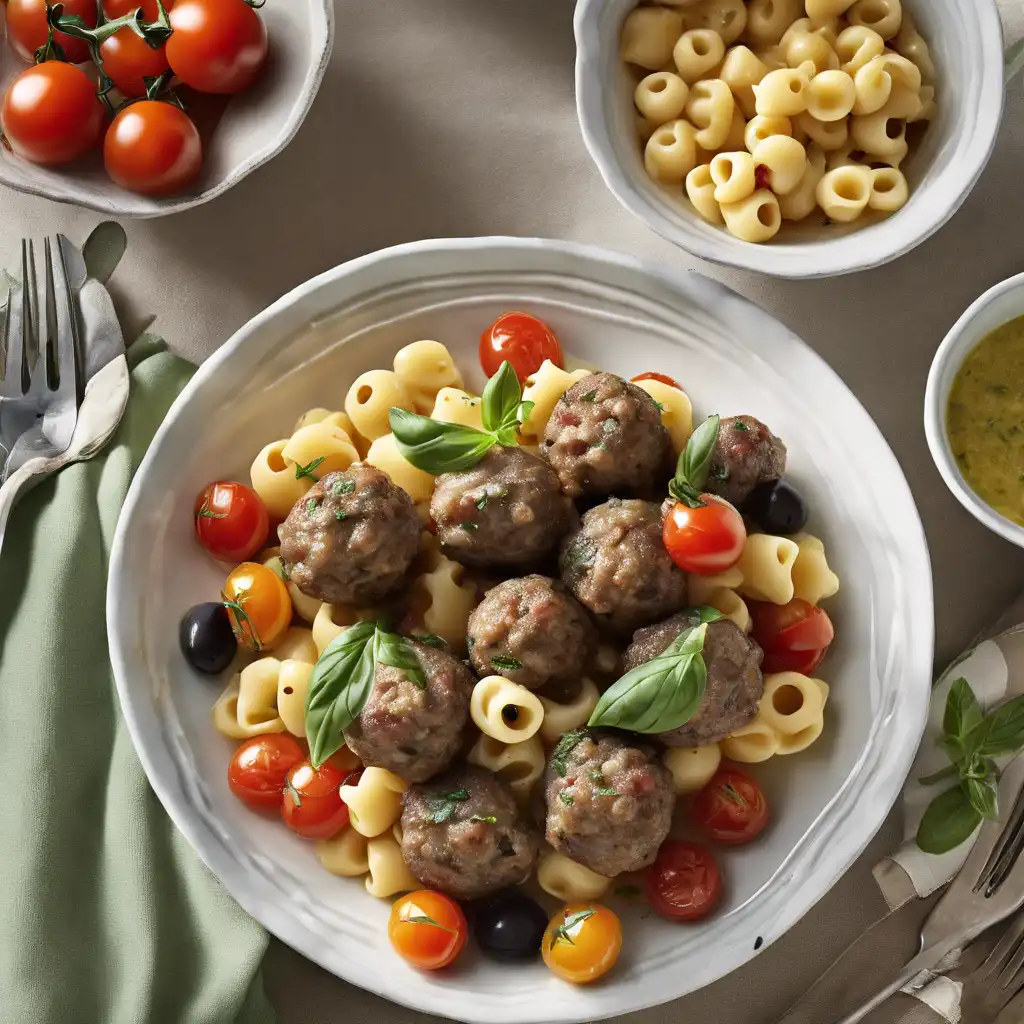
x: 985, y: 420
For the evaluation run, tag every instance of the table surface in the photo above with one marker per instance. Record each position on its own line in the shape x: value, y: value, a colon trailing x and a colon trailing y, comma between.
x: 456, y: 117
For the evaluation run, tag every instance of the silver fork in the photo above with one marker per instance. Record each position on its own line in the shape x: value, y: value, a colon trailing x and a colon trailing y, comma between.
x: 998, y: 979
x: 19, y: 402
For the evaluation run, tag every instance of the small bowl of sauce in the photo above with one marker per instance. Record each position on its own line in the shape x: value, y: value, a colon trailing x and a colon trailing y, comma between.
x: 974, y: 409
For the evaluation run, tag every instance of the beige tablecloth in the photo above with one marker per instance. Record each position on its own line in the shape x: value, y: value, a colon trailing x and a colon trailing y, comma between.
x: 456, y: 117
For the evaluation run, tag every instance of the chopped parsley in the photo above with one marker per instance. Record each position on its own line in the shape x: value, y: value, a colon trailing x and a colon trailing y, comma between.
x: 566, y: 745
x: 566, y: 798
x: 441, y: 806
x: 431, y: 640
x: 581, y: 554
x: 606, y: 791
x: 489, y: 819
x: 481, y: 502
x: 717, y: 472
x: 610, y: 425
x: 661, y: 407
x: 740, y: 425
x: 341, y: 487
x: 341, y: 515
x: 504, y: 661
x: 469, y: 527
x: 311, y: 506
x: 301, y: 471
x: 589, y: 396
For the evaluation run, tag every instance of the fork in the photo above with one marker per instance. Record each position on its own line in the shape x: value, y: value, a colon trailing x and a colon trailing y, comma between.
x: 998, y: 979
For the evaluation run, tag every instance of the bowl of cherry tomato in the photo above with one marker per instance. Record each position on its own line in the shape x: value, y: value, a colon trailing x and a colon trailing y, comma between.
x: 141, y: 111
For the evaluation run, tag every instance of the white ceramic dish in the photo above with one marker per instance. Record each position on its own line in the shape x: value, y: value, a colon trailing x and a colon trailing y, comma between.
x: 966, y: 41
x: 255, y: 126
x: 627, y: 317
x: 998, y: 305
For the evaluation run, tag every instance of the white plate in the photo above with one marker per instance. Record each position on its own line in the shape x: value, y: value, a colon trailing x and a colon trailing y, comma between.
x: 627, y: 317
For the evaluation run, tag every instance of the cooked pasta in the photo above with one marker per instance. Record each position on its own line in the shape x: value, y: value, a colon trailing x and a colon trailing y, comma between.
x: 332, y: 620
x: 701, y: 191
x: 371, y: 398
x: 884, y: 16
x: 873, y: 85
x: 375, y: 801
x: 726, y: 17
x: 783, y: 92
x: 820, y: 10
x: 754, y: 219
x: 453, y: 405
x: 520, y: 764
x: 676, y: 410
x: 257, y: 697
x: 761, y: 127
x: 785, y: 159
x: 318, y: 415
x: 767, y: 567
x: 388, y: 874
x: 504, y: 710
x: 274, y: 480
x: 826, y: 135
x: 568, y: 881
x: 813, y: 580
x: 889, y: 189
x: 424, y: 368
x: 873, y: 134
x: 345, y: 854
x: 562, y: 718
x: 292, y: 687
x: 649, y: 35
x: 702, y: 587
x: 442, y: 599
x: 831, y: 95
x: 225, y: 714
x: 696, y: 52
x: 671, y: 152
x: 731, y: 605
x: 692, y: 768
x: 733, y: 175
x: 751, y: 744
x: 792, y: 703
x: 767, y: 20
x: 802, y: 47
x: 544, y: 389
x: 843, y: 193
x: 803, y: 200
x: 322, y: 445
x: 910, y: 44
x: 710, y: 110
x: 386, y: 457
x: 661, y: 96
x: 794, y: 744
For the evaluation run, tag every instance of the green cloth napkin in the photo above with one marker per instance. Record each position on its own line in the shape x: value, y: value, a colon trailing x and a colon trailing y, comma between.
x: 106, y: 914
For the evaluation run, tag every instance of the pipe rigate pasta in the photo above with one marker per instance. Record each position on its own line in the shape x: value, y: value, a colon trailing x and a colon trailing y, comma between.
x: 385, y: 456
x: 345, y: 854
x: 767, y: 568
x: 710, y: 110
x: 424, y: 368
x: 371, y: 398
x: 661, y: 97
x: 676, y: 409
x: 375, y: 801
x: 292, y: 687
x: 884, y: 16
x: 257, y: 697
x: 671, y: 152
x: 504, y: 710
x: 754, y: 219
x: 388, y: 875
x: 648, y: 36
x: 843, y: 193
x: 520, y: 764
x: 568, y: 881
x: 692, y: 768
x: 560, y: 718
x: 767, y: 20
x: 696, y: 52
x: 813, y: 580
x: 544, y: 388
x: 733, y: 175
x: 274, y: 480
x: 701, y: 192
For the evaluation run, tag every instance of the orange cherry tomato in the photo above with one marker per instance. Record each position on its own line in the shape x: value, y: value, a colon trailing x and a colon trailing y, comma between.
x: 231, y: 521
x: 706, y: 540
x: 731, y: 809
x: 427, y: 929
x: 795, y: 637
x: 258, y: 604
x: 153, y: 148
x: 259, y: 769
x: 128, y: 59
x: 521, y: 339
x: 659, y: 377
x: 312, y: 804
x: 582, y: 942
x: 683, y: 883
x: 119, y: 8
x: 28, y: 31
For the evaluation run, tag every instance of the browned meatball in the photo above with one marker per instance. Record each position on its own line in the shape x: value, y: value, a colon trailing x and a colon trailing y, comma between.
x: 411, y: 729
x: 532, y: 631
x: 609, y: 801
x: 462, y: 833
x: 746, y: 454
x: 734, y: 683
x: 605, y: 436
x: 351, y: 538
x: 508, y: 509
x: 616, y: 565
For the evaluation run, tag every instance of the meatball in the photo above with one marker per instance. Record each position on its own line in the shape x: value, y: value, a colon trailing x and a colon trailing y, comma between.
x: 414, y: 729
x: 532, y: 631
x: 351, y: 538
x: 605, y: 436
x: 746, y: 454
x: 734, y: 682
x: 616, y: 566
x: 609, y: 801
x: 462, y: 833
x: 508, y: 509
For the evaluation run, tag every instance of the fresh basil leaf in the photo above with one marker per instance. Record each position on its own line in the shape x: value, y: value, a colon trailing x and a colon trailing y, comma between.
x: 396, y: 652
x: 954, y: 748
x: 524, y: 411
x: 1000, y: 732
x: 981, y: 795
x: 949, y: 821
x: 695, y: 461
x: 963, y: 712
x: 339, y: 688
x: 501, y: 398
x: 437, y: 447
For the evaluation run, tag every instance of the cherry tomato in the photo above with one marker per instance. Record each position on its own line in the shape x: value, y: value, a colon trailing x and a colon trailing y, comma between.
x: 427, y: 929
x: 259, y: 769
x: 683, y: 883
x: 659, y: 377
x: 119, y: 8
x: 523, y: 340
x: 128, y: 59
x: 231, y: 521
x: 312, y: 804
x: 582, y: 942
x: 795, y: 637
x: 218, y: 45
x: 28, y: 31
x: 258, y: 605
x: 51, y: 115
x: 706, y: 540
x: 731, y: 809
x: 153, y: 148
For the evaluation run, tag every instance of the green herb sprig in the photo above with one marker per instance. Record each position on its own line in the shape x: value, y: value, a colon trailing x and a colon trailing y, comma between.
x: 694, y: 464
x: 564, y: 932
x: 441, y: 806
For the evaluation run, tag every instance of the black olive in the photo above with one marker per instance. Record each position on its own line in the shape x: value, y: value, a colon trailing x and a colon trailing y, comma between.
x: 777, y: 507
x: 206, y: 638
x: 510, y: 926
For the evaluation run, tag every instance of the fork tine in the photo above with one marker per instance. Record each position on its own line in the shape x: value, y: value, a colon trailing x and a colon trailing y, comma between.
x: 62, y: 410
x: 1005, y: 855
x: 14, y: 383
x: 1011, y: 972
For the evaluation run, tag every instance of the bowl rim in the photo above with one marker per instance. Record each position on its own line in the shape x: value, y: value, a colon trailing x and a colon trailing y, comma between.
x: 323, y: 24
x: 815, y: 260
x: 957, y: 345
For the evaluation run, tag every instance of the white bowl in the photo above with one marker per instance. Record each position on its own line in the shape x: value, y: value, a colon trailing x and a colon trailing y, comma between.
x: 626, y: 316
x: 998, y: 305
x: 255, y: 126
x: 965, y: 37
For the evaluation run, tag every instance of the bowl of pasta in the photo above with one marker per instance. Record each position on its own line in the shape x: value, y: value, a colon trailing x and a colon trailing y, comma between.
x: 839, y: 134
x: 481, y: 596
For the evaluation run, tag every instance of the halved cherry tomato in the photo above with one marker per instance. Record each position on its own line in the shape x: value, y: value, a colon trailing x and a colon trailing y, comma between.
x: 152, y: 147
x: 651, y: 375
x: 119, y: 8
x: 523, y: 340
x: 128, y: 59
x: 259, y: 769
x: 51, y: 115
x: 795, y: 637
x: 28, y: 31
x: 217, y: 46
x: 312, y: 804
x: 706, y: 540
x: 427, y: 929
x: 258, y: 605
x: 231, y: 521
x: 731, y: 809
x: 582, y: 942
x: 683, y: 883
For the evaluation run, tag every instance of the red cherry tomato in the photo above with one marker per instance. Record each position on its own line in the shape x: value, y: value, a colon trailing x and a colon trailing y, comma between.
x: 28, y: 31
x: 119, y: 8
x: 706, y: 540
x: 153, y: 148
x: 523, y: 340
x: 312, y: 804
x: 232, y: 522
x: 217, y: 46
x: 51, y: 115
x: 427, y: 929
x: 259, y: 769
x: 795, y: 637
x: 731, y: 809
x: 683, y: 883
x: 128, y: 59
x: 659, y: 377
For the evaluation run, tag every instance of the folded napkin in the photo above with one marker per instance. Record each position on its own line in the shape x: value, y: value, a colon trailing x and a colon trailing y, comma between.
x: 106, y: 914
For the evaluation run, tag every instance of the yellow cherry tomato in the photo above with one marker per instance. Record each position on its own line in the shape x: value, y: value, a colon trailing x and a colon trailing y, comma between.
x: 258, y: 606
x: 582, y: 942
